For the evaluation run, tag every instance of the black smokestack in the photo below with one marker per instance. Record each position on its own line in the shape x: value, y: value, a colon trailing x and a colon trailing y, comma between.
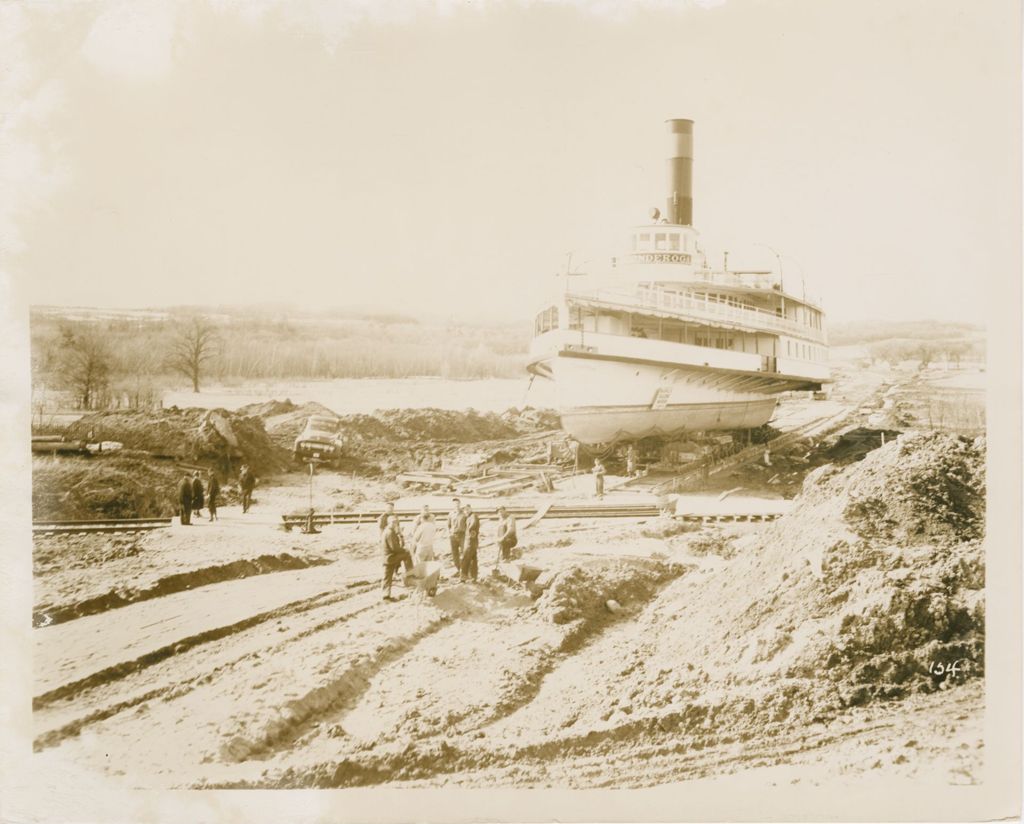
x: 680, y: 173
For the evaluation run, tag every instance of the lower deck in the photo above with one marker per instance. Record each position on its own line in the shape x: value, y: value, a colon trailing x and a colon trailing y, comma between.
x: 770, y: 372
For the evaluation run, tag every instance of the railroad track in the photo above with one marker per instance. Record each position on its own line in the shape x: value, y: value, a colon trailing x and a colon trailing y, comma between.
x: 714, y: 519
x: 98, y: 525
x: 618, y: 510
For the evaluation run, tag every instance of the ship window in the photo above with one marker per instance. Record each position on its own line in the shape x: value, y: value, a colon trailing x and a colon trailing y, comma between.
x: 661, y: 241
x: 546, y: 321
x: 643, y: 242
x: 673, y: 242
x: 575, y: 318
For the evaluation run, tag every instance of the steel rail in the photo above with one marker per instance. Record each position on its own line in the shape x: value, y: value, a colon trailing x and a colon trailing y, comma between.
x: 66, y: 527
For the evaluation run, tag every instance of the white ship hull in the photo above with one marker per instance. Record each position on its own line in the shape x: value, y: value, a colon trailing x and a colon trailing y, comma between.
x: 598, y: 400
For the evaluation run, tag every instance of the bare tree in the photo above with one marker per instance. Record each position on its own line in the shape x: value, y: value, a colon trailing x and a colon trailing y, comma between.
x: 925, y: 353
x: 956, y: 351
x: 194, y: 345
x: 84, y: 365
x: 136, y: 368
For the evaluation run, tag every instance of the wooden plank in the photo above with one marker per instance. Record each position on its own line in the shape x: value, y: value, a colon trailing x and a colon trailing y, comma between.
x: 539, y: 514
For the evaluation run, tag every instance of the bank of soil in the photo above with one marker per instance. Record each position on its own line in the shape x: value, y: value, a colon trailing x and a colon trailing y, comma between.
x: 158, y: 447
x: 643, y: 653
x: 394, y: 440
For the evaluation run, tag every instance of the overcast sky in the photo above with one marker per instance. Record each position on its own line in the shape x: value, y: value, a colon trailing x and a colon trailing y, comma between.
x: 444, y: 157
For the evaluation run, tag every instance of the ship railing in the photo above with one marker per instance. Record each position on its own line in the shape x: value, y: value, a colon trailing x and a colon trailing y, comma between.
x: 648, y: 297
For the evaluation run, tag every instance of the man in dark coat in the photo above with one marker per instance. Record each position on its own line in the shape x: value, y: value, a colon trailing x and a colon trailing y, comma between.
x: 212, y: 494
x: 197, y: 494
x: 185, y: 500
x: 468, y: 570
x: 386, y: 516
x: 395, y: 555
x: 246, y: 482
x: 456, y: 532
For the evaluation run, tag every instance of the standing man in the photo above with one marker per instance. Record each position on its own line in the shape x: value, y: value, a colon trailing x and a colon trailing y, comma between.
x: 185, y: 500
x: 631, y: 461
x: 213, y: 493
x: 395, y: 555
x: 574, y: 448
x: 423, y: 531
x: 599, y: 472
x: 456, y: 532
x: 197, y: 494
x: 471, y: 543
x: 424, y: 515
x: 506, y: 534
x: 386, y: 516
x: 246, y: 481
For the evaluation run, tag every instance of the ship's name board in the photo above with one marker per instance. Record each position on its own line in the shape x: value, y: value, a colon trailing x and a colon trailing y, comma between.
x: 660, y: 257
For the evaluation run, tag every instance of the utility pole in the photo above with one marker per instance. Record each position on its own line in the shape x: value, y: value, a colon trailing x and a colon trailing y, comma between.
x: 310, y: 527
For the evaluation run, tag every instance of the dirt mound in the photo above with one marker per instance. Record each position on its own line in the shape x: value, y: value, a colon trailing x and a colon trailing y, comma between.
x: 396, y: 439
x: 854, y: 445
x: 711, y: 542
x: 876, y: 575
x: 582, y: 591
x: 448, y: 425
x: 920, y: 487
x: 212, y: 436
x: 122, y: 485
x: 267, y: 409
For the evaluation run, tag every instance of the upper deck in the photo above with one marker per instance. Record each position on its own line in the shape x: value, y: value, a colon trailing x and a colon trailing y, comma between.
x: 713, y: 308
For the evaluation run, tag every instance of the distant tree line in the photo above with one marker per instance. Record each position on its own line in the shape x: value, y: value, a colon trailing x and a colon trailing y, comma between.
x: 128, y: 361
x: 851, y: 333
x: 927, y: 352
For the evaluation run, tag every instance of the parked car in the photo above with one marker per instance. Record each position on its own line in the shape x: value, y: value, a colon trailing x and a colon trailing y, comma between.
x: 320, y: 440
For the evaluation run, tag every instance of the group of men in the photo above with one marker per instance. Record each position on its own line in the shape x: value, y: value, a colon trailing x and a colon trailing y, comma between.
x: 191, y: 493
x: 463, y: 538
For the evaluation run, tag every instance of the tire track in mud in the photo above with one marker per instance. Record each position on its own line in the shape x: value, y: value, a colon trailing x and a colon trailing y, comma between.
x: 428, y: 756
x: 651, y: 763
x: 176, y: 689
x: 48, y: 615
x: 298, y: 715
x: 652, y: 754
x: 425, y: 692
x: 579, y: 637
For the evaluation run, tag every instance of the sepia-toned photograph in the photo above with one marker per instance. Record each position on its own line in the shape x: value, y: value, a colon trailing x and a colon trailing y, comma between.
x: 537, y: 396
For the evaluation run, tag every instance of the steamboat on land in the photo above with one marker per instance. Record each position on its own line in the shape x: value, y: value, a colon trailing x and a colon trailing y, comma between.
x: 664, y: 345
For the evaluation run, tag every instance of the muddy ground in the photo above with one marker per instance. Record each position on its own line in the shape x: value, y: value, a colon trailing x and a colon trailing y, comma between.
x: 234, y: 654
x: 727, y: 649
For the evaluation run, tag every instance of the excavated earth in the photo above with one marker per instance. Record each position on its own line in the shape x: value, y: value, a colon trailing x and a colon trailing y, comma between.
x: 140, y: 479
x: 233, y: 654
